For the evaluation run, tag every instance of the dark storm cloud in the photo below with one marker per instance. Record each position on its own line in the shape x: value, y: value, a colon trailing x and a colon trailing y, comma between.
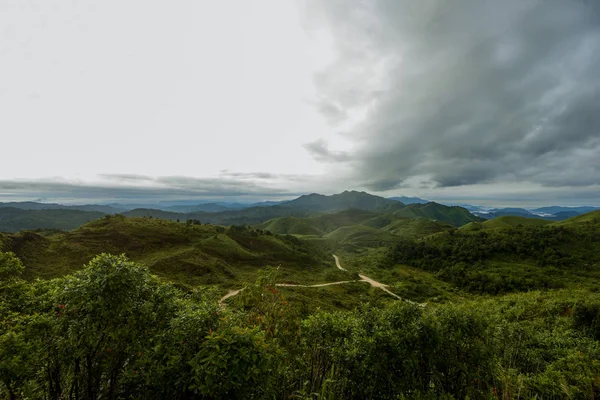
x: 466, y: 92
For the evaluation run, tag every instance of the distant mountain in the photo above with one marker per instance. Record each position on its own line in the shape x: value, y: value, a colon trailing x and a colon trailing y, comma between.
x: 454, y: 215
x: 16, y: 219
x: 554, y: 213
x: 409, y: 200
x: 559, y: 209
x: 206, y: 207
x: 342, y: 201
x: 33, y: 205
x: 245, y: 216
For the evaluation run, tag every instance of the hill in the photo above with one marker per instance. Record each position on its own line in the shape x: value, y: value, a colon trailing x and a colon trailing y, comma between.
x: 188, y: 254
x: 504, y: 221
x: 416, y: 228
x: 16, y: 219
x: 290, y: 226
x: 454, y: 215
x: 592, y: 217
x: 341, y: 201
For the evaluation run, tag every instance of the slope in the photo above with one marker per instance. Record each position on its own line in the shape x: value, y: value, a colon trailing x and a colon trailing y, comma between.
x: 504, y: 221
x: 188, y: 254
x: 342, y: 201
x: 454, y: 215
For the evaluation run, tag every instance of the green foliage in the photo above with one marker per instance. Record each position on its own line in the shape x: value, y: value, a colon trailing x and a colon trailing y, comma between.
x: 186, y: 254
x: 113, y: 330
x: 456, y: 216
x: 505, y: 221
x: 537, y: 256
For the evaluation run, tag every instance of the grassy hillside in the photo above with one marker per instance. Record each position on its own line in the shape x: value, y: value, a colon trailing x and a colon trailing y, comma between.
x: 290, y: 226
x: 188, y: 254
x: 503, y: 222
x: 16, y: 219
x: 454, y: 215
x: 416, y: 228
x: 592, y: 217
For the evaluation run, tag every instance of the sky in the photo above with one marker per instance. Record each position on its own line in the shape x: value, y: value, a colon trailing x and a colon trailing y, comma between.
x: 471, y: 101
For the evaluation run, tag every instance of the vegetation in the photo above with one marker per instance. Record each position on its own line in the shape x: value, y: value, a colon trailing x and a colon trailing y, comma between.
x: 508, y: 259
x: 506, y: 309
x: 16, y: 219
x: 112, y: 330
x: 186, y: 253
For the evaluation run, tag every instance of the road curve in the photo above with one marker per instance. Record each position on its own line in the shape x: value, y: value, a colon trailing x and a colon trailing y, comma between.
x: 337, y: 263
x: 363, y: 278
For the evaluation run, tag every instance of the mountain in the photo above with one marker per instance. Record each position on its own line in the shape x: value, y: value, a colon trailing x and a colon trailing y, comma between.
x: 453, y: 215
x: 357, y: 204
x: 553, y: 213
x: 553, y: 210
x: 33, y: 205
x: 206, y: 207
x: 409, y: 200
x: 246, y: 216
x: 16, y: 219
x: 341, y: 201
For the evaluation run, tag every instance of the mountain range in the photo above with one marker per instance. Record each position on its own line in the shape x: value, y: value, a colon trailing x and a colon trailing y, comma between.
x: 31, y: 215
x: 15, y: 216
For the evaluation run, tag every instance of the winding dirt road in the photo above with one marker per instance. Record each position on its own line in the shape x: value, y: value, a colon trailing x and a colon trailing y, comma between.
x: 363, y: 278
x: 337, y: 263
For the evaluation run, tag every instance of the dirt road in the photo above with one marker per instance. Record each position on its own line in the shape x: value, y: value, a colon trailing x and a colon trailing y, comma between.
x: 337, y: 263
x: 363, y: 278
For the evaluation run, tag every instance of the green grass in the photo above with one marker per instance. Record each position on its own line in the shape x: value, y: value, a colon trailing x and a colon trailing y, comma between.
x: 455, y: 215
x: 592, y: 217
x: 186, y: 254
x: 291, y: 226
x: 503, y: 222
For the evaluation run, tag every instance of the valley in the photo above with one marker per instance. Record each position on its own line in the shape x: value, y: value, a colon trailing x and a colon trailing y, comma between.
x: 311, y: 291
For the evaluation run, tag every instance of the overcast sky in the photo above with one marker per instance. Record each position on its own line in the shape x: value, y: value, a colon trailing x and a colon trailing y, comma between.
x: 468, y: 101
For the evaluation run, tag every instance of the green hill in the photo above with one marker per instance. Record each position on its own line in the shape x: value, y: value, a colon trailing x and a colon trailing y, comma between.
x: 454, y: 215
x: 416, y: 227
x: 593, y: 216
x: 189, y: 254
x: 16, y: 219
x: 503, y: 222
x: 361, y: 236
x: 290, y: 226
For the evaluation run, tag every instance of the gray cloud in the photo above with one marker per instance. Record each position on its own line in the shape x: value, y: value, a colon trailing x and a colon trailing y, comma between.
x: 466, y: 92
x: 319, y: 149
x: 119, y: 188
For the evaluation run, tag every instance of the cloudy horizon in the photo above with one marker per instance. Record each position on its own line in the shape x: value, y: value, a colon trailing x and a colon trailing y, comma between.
x: 481, y: 102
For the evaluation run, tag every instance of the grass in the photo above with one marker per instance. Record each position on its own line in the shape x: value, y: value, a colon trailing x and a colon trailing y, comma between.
x: 503, y: 222
x: 187, y: 254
